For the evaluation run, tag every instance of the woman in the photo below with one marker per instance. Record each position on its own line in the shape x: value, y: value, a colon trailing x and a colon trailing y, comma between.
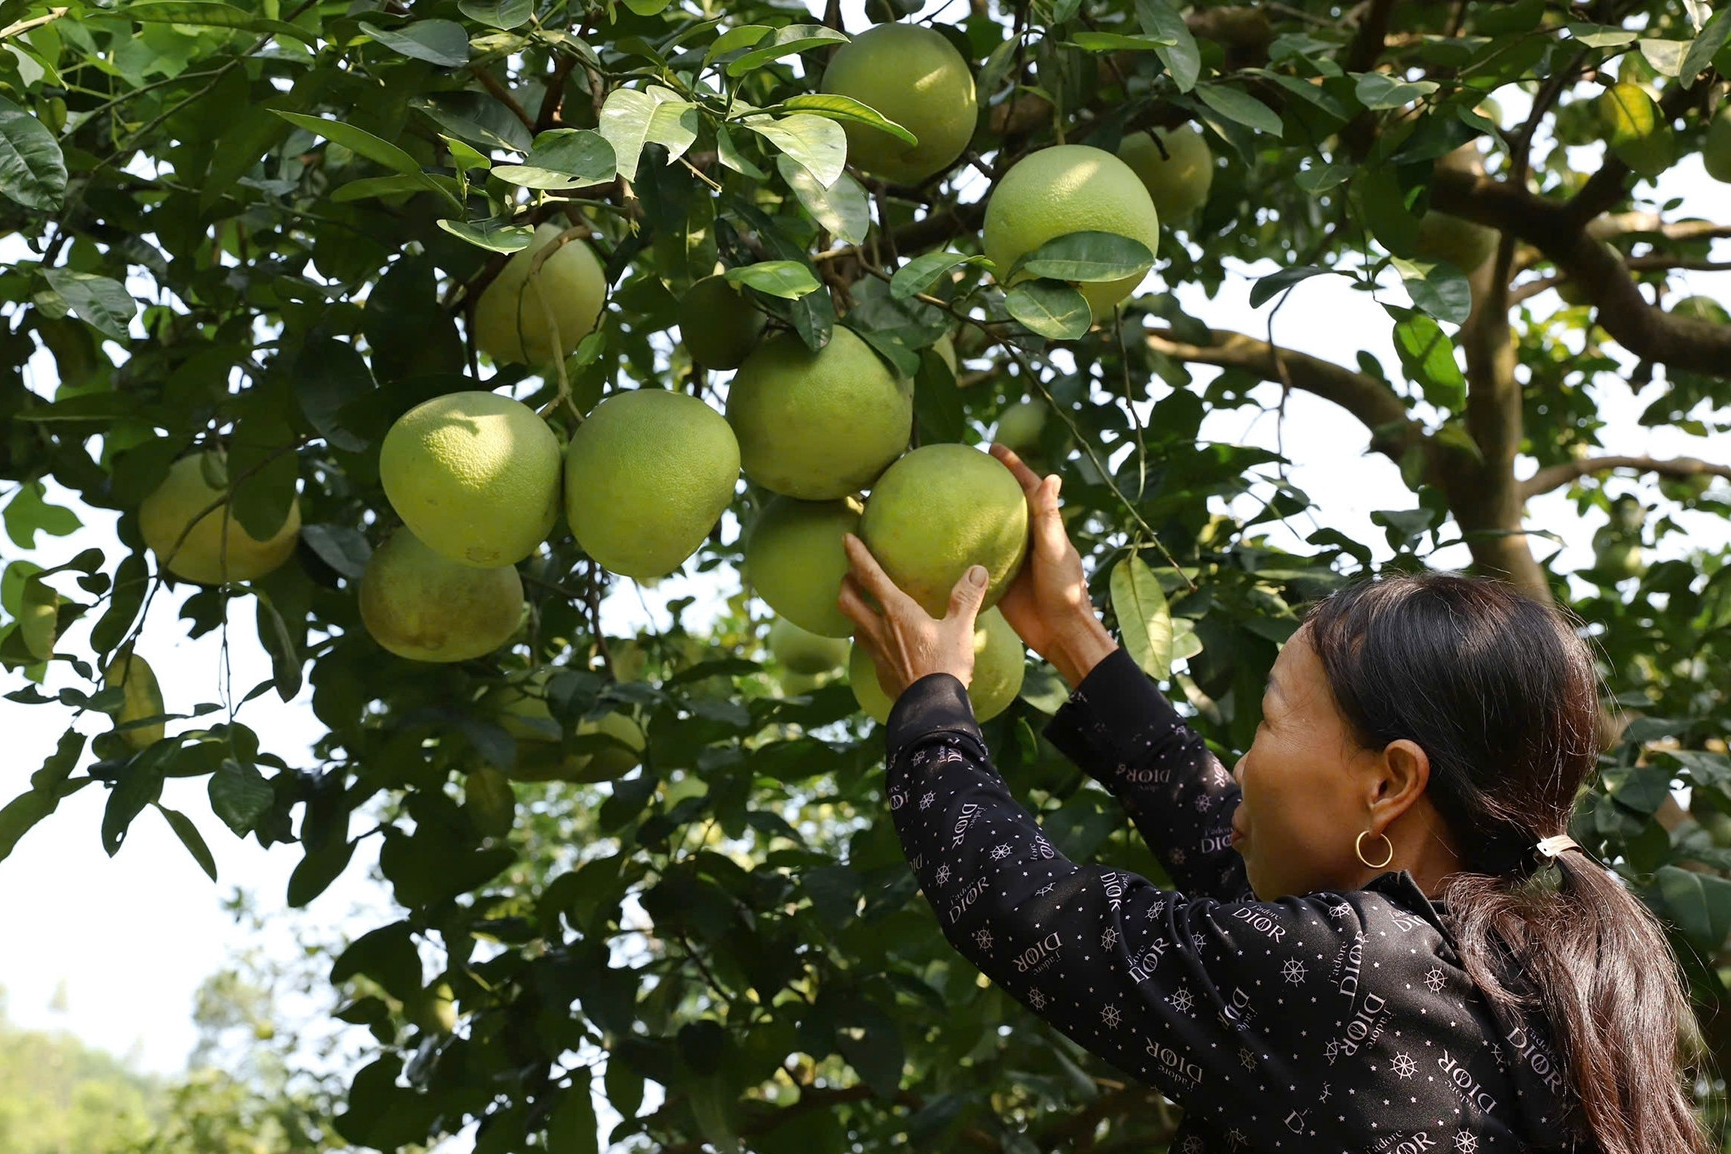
x: 1382, y: 940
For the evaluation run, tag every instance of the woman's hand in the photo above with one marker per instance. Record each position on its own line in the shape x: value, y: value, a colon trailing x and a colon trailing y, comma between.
x: 905, y: 642
x: 1047, y: 604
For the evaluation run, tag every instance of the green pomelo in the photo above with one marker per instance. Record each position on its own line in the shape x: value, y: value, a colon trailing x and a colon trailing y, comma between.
x: 143, y: 699
x: 647, y: 476
x: 717, y: 323
x: 1716, y: 149
x: 1701, y: 309
x: 474, y: 475
x: 489, y: 801
x: 999, y: 664
x: 915, y: 78
x: 804, y: 651
x: 524, y: 714
x: 1064, y: 189
x: 426, y: 607
x: 817, y: 426
x: 1177, y: 179
x: 517, y: 315
x: 1459, y: 242
x: 216, y: 548
x: 795, y: 560
x: 1635, y: 128
x: 1618, y: 559
x: 1020, y: 425
x: 939, y: 510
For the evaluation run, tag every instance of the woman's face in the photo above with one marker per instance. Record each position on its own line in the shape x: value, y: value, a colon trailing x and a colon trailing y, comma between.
x: 1304, y: 779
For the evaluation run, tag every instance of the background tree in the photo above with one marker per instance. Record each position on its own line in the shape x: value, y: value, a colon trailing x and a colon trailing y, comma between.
x: 266, y: 229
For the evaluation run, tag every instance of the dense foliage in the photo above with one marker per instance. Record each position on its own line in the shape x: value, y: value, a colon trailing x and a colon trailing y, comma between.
x: 264, y: 226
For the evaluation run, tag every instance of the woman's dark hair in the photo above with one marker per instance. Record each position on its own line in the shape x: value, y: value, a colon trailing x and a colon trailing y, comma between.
x: 1502, y: 695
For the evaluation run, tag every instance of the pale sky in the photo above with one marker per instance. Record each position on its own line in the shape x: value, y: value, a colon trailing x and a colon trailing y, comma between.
x: 133, y: 936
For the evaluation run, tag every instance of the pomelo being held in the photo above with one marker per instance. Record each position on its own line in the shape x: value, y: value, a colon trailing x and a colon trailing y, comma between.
x: 143, y: 698
x: 647, y: 476
x: 939, y: 510
x: 818, y: 425
x: 426, y: 607
x: 795, y: 560
x: 914, y: 77
x: 717, y: 323
x: 216, y: 549
x: 474, y: 475
x: 999, y: 663
x: 1064, y: 189
x: 1177, y: 179
x: 511, y: 318
x: 804, y: 651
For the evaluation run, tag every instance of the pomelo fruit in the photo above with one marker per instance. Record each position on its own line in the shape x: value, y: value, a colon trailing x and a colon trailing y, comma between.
x: 646, y: 478
x: 143, y: 698
x: 717, y: 323
x: 914, y: 77
x: 1716, y: 149
x: 1617, y: 558
x: 474, y: 475
x: 999, y: 663
x: 1635, y: 128
x: 1020, y: 424
x: 216, y: 549
x: 1462, y: 243
x: 803, y: 651
x: 1064, y: 189
x: 795, y: 560
x: 1702, y: 309
x: 511, y: 318
x: 1178, y: 179
x: 821, y: 425
x: 489, y: 801
x: 426, y: 607
x: 524, y: 714
x: 939, y: 510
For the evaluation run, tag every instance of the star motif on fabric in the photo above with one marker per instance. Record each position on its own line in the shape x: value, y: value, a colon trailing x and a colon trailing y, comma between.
x: 1497, y: 1054
x: 1044, y: 890
x: 1192, y: 1145
x: 1293, y: 971
x: 1246, y: 1058
x: 943, y: 874
x: 1404, y: 1066
x: 1000, y: 852
x: 1203, y: 801
x: 1111, y: 1017
x: 983, y: 938
x: 1339, y: 910
x: 1466, y: 1143
x: 1198, y: 940
x: 1177, y: 857
x: 1181, y: 1000
x: 1154, y: 910
x: 1331, y: 1051
x: 1434, y: 980
x: 1236, y: 1137
x: 1109, y: 937
x: 1322, y: 1095
x: 926, y: 799
x: 1037, y: 999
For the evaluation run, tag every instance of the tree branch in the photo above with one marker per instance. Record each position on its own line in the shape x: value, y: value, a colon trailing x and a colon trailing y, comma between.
x: 1556, y: 476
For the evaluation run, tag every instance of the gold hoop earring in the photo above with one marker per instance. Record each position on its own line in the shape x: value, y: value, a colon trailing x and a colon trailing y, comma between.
x: 1358, y: 848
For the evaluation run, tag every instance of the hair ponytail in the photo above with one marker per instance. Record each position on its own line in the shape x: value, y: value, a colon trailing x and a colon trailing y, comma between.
x: 1502, y: 696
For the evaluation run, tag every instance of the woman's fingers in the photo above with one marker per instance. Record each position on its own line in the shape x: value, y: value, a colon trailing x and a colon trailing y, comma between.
x: 852, y: 603
x: 872, y: 579
x: 1026, y: 477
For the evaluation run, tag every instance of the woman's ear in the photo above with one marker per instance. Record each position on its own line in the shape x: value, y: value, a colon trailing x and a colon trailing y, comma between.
x: 1405, y: 773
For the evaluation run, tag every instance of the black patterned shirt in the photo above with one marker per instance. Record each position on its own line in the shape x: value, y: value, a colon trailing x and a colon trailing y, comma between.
x: 1328, y: 1022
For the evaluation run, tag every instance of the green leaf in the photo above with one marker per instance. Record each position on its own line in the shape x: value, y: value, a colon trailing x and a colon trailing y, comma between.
x: 357, y: 140
x: 1705, y: 46
x: 343, y: 548
x: 1240, y: 107
x: 440, y: 42
x: 735, y: 39
x: 1378, y: 90
x: 492, y: 235
x: 1382, y: 203
x: 140, y: 784
x: 1600, y: 35
x: 22, y: 813
x: 1428, y: 356
x: 572, y: 1128
x: 937, y: 401
x: 728, y: 152
x: 388, y: 956
x: 370, y: 186
x: 263, y: 468
x: 213, y: 15
x: 1267, y: 288
x: 274, y: 635
x: 843, y: 208
x: 815, y: 142
x: 1699, y: 904
x: 674, y: 126
x: 1162, y: 20
x: 190, y: 838
x: 1050, y: 308
x: 1144, y: 620
x: 563, y: 159
x: 625, y: 122
x: 1118, y: 42
x: 32, y: 168
x: 29, y: 513
x: 788, y: 279
x: 502, y: 14
x: 839, y: 107
x: 239, y: 795
x: 1087, y: 257
x: 328, y: 375
x: 1438, y: 288
x: 925, y: 270
x: 316, y: 871
x: 1322, y: 177
x: 648, y: 7
x: 38, y: 617
x: 786, y: 42
x: 99, y: 302
x: 1666, y: 56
